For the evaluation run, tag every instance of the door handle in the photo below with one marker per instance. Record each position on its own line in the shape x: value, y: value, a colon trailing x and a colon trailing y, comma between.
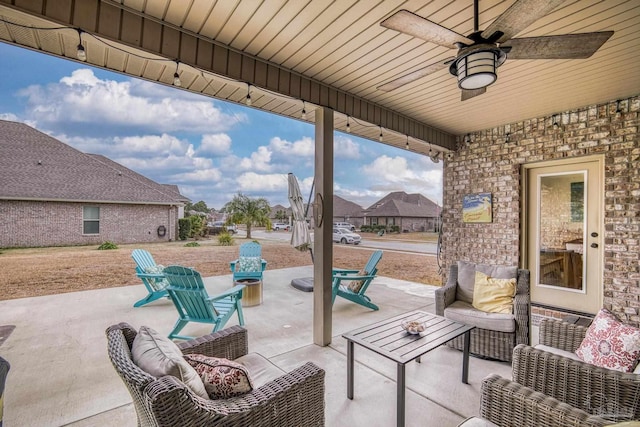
x: 594, y: 245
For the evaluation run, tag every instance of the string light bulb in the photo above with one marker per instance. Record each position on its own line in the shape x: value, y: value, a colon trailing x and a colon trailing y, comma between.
x: 406, y: 146
x: 81, y: 54
x: 467, y: 139
x: 176, y: 76
x: 304, y: 111
x: 248, y: 99
x: 380, y: 136
x: 555, y: 123
x: 348, y: 126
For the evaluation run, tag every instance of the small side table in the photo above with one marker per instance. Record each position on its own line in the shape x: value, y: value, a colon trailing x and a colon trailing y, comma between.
x: 252, y: 292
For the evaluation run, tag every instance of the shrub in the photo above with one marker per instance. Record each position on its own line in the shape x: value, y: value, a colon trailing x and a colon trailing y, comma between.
x: 184, y: 228
x: 107, y: 245
x: 197, y: 226
x: 394, y: 229
x: 365, y: 228
x: 225, y: 239
x: 192, y: 244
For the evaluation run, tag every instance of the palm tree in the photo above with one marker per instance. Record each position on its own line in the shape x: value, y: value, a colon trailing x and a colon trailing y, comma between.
x: 244, y: 210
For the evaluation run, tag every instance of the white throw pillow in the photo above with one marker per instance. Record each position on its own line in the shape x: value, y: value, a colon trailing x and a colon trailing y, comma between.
x: 159, y: 356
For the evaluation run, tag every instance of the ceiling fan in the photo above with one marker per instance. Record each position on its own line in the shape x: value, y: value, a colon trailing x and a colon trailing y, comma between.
x: 482, y: 52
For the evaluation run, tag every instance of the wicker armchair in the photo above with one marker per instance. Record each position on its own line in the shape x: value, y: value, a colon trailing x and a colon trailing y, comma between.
x: 611, y: 394
x: 507, y: 403
x: 4, y: 370
x: 485, y: 342
x: 294, y: 399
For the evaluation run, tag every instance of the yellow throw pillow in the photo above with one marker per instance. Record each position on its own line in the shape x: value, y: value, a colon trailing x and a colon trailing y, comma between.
x: 493, y: 295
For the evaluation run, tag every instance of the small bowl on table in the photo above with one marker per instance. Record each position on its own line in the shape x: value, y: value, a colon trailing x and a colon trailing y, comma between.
x: 413, y: 327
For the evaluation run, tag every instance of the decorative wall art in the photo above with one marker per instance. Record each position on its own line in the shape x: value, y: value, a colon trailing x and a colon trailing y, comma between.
x: 477, y: 208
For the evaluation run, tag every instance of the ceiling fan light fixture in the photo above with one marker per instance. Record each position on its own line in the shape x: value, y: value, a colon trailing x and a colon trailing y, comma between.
x: 476, y: 68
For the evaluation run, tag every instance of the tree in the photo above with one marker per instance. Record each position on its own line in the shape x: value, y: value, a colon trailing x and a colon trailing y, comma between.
x: 281, y: 215
x: 245, y: 210
x: 201, y: 206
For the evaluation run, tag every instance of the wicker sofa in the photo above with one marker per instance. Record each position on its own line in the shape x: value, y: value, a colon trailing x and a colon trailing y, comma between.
x: 293, y: 399
x: 494, y: 344
x: 611, y: 394
x: 506, y: 403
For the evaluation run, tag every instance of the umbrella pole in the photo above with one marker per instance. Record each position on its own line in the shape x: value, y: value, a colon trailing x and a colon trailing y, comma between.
x: 306, y: 211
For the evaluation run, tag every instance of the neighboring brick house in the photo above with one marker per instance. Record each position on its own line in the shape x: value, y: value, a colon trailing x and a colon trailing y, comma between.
x: 411, y: 212
x: 279, y: 210
x: 54, y: 195
x: 495, y: 161
x: 346, y: 211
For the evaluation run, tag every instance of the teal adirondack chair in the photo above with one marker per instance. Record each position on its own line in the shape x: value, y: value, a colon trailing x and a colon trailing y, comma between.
x: 356, y: 282
x: 151, y: 275
x: 194, y: 304
x: 249, y: 264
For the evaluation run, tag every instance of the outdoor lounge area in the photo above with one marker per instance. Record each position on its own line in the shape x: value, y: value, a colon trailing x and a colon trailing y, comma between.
x: 61, y: 375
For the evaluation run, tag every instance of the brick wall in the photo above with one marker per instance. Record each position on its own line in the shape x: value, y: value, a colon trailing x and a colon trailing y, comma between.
x: 32, y: 224
x: 491, y: 164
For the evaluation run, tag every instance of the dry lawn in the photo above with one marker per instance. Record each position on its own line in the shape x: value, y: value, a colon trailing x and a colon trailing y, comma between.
x: 45, y: 271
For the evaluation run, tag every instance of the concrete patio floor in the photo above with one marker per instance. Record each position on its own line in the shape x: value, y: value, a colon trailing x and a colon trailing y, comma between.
x: 61, y: 375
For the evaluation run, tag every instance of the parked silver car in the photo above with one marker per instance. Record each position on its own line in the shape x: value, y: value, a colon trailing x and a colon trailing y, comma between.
x: 343, y: 235
x: 277, y: 226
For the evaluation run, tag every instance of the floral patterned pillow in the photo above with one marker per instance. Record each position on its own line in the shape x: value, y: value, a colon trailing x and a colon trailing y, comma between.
x: 249, y: 264
x: 222, y: 378
x: 611, y: 344
x: 154, y: 269
x: 356, y: 285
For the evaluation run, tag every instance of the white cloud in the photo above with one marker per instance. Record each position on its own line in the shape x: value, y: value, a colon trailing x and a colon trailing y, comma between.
x: 414, y: 175
x: 84, y: 98
x: 215, y: 145
x: 304, y: 147
x: 251, y: 182
x: 9, y: 117
x: 345, y: 148
x: 259, y: 160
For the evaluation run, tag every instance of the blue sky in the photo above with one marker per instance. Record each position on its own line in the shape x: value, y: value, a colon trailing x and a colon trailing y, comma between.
x: 211, y: 149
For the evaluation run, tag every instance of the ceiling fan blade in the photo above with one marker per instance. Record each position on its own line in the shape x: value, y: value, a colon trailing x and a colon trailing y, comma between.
x: 567, y: 46
x: 519, y: 16
x: 409, y: 23
x: 415, y: 75
x: 470, y: 93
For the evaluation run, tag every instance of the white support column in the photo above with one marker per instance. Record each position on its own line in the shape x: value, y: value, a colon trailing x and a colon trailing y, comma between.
x: 323, y: 218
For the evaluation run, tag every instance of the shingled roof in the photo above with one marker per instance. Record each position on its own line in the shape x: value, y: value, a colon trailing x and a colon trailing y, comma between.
x: 345, y: 208
x: 402, y: 204
x: 35, y: 166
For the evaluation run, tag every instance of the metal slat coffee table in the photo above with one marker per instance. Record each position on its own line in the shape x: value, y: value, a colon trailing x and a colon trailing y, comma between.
x: 390, y: 340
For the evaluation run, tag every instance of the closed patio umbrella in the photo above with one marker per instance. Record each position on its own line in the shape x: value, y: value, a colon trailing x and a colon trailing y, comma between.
x: 300, y: 236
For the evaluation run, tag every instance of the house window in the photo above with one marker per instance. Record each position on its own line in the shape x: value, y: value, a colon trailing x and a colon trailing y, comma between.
x: 90, y: 220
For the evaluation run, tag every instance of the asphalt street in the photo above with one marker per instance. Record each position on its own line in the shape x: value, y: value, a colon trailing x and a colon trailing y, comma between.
x: 395, y: 245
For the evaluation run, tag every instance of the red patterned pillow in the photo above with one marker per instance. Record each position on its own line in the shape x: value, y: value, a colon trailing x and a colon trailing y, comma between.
x: 611, y: 344
x: 222, y: 378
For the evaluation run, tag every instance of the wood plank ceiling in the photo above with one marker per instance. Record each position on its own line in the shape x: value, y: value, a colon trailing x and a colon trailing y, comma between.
x: 336, y: 53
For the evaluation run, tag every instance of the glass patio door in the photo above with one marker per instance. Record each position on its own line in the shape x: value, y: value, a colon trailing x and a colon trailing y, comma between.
x: 564, y: 234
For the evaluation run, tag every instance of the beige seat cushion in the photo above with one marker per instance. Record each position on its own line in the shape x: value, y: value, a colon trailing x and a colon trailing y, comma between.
x: 557, y: 351
x: 467, y: 277
x: 261, y: 370
x: 159, y: 356
x: 463, y: 312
